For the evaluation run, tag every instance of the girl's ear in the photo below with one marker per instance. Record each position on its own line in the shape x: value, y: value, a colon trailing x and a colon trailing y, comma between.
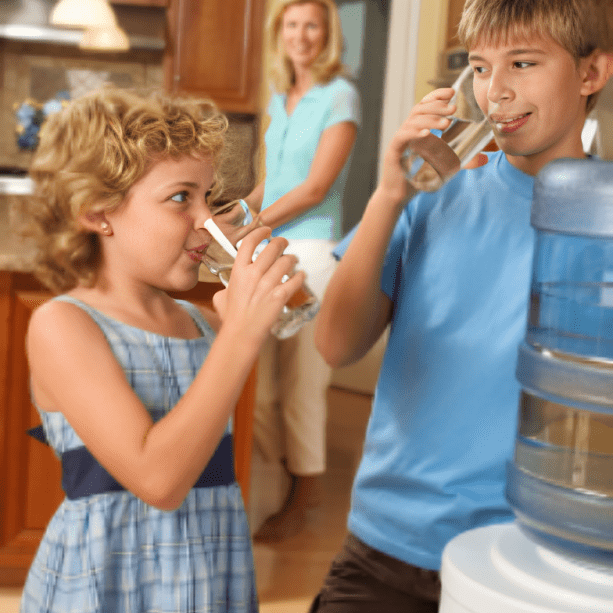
x: 96, y: 222
x: 598, y: 68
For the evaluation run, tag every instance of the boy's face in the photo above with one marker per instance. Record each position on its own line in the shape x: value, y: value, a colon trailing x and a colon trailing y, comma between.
x: 540, y: 96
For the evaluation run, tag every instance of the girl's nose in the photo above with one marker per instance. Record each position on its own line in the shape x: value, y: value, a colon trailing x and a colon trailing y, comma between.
x: 201, y: 214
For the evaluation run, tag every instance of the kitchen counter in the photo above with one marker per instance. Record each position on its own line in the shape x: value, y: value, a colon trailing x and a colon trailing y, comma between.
x: 12, y: 185
x: 16, y: 252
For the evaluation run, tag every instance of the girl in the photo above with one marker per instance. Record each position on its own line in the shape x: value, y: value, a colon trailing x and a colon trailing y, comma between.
x: 135, y: 389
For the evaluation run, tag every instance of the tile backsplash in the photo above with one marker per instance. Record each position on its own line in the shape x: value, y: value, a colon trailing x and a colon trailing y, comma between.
x: 39, y: 71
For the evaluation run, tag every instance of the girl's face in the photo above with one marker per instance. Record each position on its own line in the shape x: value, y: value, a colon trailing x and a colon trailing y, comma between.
x: 304, y: 33
x: 157, y: 234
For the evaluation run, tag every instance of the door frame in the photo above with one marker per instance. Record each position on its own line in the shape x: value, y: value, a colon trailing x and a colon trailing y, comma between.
x: 401, y: 69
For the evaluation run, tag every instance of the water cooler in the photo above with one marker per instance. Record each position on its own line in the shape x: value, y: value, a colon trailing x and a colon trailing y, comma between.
x: 557, y: 557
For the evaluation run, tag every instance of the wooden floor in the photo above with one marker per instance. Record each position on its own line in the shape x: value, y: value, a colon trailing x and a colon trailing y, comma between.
x: 290, y: 573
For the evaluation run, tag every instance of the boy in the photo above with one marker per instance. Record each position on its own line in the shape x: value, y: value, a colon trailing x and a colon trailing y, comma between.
x: 450, y: 272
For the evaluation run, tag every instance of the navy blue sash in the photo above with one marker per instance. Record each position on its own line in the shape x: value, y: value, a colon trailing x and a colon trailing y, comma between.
x: 82, y: 474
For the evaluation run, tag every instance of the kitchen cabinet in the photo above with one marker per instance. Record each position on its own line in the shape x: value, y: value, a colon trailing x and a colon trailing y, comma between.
x: 161, y: 3
x: 214, y: 50
x: 453, y: 19
x: 30, y: 475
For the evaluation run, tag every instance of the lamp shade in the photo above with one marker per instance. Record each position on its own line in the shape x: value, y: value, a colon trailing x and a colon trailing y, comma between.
x: 83, y: 14
x: 105, y: 39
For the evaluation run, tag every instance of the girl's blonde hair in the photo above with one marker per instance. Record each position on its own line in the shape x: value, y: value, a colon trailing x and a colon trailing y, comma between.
x: 89, y: 156
x: 570, y: 23
x: 327, y: 65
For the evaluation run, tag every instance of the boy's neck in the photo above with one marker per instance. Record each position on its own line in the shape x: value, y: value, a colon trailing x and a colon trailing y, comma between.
x: 532, y: 164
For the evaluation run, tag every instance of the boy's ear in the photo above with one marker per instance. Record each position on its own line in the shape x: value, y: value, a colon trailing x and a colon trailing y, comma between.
x: 95, y: 222
x: 598, y: 68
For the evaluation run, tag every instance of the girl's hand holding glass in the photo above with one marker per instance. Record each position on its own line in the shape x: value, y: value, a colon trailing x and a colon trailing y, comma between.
x: 230, y: 224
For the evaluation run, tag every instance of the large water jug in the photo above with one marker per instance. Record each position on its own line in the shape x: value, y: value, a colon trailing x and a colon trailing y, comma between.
x: 560, y: 483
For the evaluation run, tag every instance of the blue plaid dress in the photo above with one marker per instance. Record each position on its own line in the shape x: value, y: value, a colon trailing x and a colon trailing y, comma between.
x: 110, y: 552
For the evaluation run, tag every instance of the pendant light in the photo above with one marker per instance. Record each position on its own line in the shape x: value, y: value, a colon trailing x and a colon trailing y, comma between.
x: 83, y: 14
x: 102, y: 33
x: 105, y: 39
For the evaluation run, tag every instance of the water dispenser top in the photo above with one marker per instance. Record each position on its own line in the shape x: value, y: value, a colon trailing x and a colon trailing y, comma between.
x: 560, y: 207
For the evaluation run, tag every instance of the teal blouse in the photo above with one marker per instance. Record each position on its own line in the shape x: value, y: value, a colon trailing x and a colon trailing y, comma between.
x: 291, y: 142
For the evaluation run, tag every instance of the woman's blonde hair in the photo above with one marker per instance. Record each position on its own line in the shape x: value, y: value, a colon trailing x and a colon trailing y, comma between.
x: 570, y: 23
x: 89, y: 156
x: 327, y: 65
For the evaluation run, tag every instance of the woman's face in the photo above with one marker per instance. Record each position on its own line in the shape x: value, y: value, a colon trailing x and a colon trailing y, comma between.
x: 304, y: 33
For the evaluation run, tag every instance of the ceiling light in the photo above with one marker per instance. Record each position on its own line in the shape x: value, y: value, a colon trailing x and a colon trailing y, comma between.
x: 105, y: 39
x: 83, y: 14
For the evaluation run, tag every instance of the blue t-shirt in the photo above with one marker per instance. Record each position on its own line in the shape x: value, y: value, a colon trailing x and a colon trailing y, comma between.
x: 291, y: 142
x: 444, y: 414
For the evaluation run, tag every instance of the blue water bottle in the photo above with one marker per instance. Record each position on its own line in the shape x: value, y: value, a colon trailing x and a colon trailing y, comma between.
x: 560, y: 483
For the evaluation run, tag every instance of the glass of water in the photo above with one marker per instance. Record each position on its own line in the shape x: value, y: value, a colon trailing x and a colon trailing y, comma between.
x: 229, y: 225
x: 431, y: 160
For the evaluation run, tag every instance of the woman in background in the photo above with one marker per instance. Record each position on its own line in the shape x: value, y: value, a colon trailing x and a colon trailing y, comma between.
x: 314, y: 113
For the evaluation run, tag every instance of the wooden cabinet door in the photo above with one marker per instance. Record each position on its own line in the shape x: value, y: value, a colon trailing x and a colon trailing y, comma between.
x: 453, y: 19
x: 214, y: 50
x: 30, y: 473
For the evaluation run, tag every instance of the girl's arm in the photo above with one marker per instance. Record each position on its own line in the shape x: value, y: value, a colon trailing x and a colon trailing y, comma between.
x: 355, y: 311
x: 332, y: 152
x: 75, y: 372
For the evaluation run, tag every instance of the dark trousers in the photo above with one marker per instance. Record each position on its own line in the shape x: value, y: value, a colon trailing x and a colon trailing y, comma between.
x: 364, y: 580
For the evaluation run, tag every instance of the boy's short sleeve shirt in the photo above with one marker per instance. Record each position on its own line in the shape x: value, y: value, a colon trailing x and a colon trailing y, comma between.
x: 445, y: 408
x: 291, y: 142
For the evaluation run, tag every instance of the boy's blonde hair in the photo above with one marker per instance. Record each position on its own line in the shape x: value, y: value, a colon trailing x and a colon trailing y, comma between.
x: 327, y: 65
x: 570, y: 23
x: 89, y: 156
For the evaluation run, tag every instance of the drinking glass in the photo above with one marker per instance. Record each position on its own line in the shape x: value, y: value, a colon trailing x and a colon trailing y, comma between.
x: 431, y: 160
x: 229, y: 225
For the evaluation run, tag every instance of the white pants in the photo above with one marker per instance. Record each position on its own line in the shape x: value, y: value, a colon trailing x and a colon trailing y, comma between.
x: 291, y: 404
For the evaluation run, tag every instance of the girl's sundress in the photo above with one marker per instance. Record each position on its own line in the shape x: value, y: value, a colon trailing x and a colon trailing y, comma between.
x: 111, y: 552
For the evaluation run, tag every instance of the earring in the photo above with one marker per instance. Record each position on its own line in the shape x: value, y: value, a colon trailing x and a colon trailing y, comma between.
x: 106, y: 229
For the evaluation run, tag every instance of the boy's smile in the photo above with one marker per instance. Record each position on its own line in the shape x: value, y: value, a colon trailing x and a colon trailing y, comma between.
x: 508, y: 126
x: 540, y: 99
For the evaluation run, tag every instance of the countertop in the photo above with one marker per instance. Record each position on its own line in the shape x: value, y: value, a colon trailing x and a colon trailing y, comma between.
x: 16, y: 252
x: 12, y: 185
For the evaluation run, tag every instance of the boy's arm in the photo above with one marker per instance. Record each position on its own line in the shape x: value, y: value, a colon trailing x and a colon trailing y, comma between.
x: 355, y: 311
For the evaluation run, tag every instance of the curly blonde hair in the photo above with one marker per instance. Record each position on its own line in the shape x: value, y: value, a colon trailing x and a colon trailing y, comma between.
x: 570, y: 23
x: 325, y: 67
x: 89, y: 156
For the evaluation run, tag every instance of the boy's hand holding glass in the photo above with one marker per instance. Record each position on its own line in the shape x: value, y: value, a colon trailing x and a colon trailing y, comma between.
x: 432, y: 160
x: 229, y: 225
